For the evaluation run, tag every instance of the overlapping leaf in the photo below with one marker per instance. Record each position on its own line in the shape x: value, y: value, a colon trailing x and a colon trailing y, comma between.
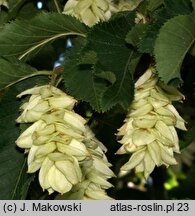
x: 154, y: 4
x: 178, y: 7
x: 14, y: 7
x: 136, y: 34
x: 28, y: 11
x: 174, y: 41
x: 99, y: 72
x: 14, y: 181
x: 188, y: 138
x: 22, y: 37
x: 193, y: 4
x: 192, y: 50
x: 79, y: 76
x: 108, y: 41
x: 170, y: 9
x: 15, y: 4
x: 13, y: 71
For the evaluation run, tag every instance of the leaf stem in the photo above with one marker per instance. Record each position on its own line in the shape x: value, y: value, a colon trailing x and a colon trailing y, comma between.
x: 49, y: 40
x: 57, y: 6
x: 58, y: 81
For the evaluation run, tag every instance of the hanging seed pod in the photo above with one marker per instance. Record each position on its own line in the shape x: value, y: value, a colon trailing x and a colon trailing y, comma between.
x: 149, y: 129
x: 89, y: 12
x: 4, y: 3
x: 95, y: 173
x: 59, y: 143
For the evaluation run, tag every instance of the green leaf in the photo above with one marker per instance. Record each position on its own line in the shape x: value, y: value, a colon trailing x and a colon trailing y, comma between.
x: 133, y: 4
x: 14, y: 179
x: 107, y: 75
x: 159, y: 17
x: 192, y: 50
x: 146, y: 44
x: 79, y: 76
x: 23, y: 191
x: 55, y: 5
x: 13, y: 71
x: 14, y: 7
x: 154, y: 4
x: 12, y: 162
x: 188, y: 138
x: 136, y: 34
x: 28, y: 11
x: 108, y: 41
x: 174, y: 41
x: 98, y: 72
x: 193, y: 4
x: 3, y: 18
x: 134, y: 62
x: 179, y: 7
x: 22, y: 37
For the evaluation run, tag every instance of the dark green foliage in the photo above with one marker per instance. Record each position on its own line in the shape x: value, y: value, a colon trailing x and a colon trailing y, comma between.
x: 174, y: 41
x: 107, y: 40
x: 101, y: 67
x: 99, y: 71
x: 14, y: 179
x: 24, y: 37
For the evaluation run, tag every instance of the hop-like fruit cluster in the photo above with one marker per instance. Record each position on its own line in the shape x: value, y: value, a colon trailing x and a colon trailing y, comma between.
x: 59, y: 144
x: 149, y: 129
x: 4, y: 3
x: 89, y: 12
x: 96, y: 172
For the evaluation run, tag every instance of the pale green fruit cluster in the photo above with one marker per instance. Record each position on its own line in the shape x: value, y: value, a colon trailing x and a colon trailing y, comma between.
x: 96, y: 172
x: 149, y: 129
x: 86, y: 190
x: 4, y: 3
x: 59, y: 144
x: 89, y: 12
